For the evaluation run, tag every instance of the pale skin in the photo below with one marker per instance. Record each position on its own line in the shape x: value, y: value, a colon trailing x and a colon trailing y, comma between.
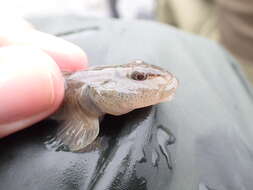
x: 31, y: 83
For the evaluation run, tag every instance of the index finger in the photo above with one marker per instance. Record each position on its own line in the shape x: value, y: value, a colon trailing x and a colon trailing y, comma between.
x: 68, y: 56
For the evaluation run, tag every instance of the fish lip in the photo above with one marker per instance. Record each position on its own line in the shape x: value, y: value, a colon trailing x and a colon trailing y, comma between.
x: 173, y: 84
x: 171, y: 88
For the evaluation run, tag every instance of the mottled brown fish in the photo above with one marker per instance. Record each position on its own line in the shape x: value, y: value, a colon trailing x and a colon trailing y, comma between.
x: 115, y: 90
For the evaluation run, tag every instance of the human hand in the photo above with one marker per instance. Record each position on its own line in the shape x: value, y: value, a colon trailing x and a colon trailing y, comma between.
x: 31, y: 84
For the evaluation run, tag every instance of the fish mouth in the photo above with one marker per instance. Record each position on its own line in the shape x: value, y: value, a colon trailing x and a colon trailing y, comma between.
x: 171, y: 88
x: 172, y: 85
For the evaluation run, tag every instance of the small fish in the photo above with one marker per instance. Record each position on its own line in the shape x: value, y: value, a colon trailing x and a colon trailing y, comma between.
x: 112, y: 89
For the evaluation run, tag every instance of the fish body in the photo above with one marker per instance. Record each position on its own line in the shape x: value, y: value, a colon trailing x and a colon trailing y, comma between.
x: 112, y: 89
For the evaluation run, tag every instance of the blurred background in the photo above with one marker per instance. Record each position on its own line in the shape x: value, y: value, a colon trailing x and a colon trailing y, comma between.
x: 229, y: 22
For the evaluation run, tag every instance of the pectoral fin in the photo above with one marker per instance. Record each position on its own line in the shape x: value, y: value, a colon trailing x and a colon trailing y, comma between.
x: 78, y: 131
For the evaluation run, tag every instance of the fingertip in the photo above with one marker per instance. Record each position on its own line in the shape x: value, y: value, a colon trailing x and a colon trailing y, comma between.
x: 16, y: 31
x: 68, y: 56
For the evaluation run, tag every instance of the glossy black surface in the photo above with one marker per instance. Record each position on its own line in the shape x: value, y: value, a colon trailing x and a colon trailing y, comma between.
x: 126, y: 155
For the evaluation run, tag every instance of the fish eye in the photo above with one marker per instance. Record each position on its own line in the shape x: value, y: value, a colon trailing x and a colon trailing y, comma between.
x: 138, y: 76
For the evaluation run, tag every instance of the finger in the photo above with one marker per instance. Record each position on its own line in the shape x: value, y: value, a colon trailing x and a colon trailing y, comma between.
x: 68, y: 56
x: 31, y: 87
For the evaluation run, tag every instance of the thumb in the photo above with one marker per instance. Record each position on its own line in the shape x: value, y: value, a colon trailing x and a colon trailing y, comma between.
x: 31, y: 87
